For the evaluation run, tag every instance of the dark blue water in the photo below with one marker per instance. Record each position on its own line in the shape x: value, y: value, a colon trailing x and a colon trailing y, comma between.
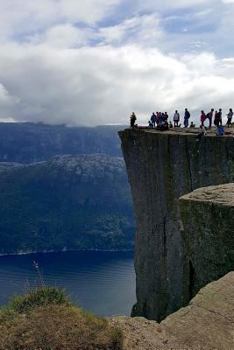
x: 101, y: 282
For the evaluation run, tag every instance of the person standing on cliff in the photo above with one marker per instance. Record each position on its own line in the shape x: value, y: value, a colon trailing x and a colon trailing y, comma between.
x: 216, y: 119
x: 202, y: 118
x: 229, y: 116
x: 186, y: 118
x: 220, y: 116
x: 153, y: 119
x: 176, y: 119
x: 133, y: 120
x: 209, y: 116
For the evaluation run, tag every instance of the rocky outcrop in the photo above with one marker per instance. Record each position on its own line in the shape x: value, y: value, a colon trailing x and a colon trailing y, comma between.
x: 208, y: 221
x: 206, y: 324
x: 163, y: 166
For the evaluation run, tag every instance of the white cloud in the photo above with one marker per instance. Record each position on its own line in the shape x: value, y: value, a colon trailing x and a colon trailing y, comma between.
x: 161, y: 5
x: 104, y: 84
x: 140, y: 29
x: 63, y: 36
x: 19, y: 18
x: 154, y: 55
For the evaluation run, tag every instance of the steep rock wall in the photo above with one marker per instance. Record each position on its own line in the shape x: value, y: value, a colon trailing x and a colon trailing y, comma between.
x: 208, y: 221
x: 162, y: 166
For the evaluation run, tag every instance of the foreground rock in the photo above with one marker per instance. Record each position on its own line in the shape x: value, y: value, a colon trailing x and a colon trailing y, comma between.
x: 206, y: 324
x: 208, y: 221
x: 163, y: 166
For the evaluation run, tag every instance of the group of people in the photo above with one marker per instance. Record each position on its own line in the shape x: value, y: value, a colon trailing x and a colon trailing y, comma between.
x: 218, y: 120
x: 160, y: 121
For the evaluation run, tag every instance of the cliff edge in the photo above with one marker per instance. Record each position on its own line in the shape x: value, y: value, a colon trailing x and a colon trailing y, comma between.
x: 162, y: 167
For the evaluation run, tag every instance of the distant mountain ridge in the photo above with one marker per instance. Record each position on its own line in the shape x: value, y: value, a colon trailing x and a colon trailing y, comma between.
x: 66, y: 203
x: 29, y: 142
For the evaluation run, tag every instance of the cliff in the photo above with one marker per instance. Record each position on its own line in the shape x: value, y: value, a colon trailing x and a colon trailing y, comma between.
x: 163, y: 166
x: 208, y: 220
x: 206, y: 324
x: 66, y: 203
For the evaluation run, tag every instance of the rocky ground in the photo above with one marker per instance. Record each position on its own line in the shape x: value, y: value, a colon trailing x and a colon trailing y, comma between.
x: 228, y: 132
x: 206, y: 324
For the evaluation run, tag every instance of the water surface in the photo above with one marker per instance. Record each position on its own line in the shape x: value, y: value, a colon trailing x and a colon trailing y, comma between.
x: 102, y: 282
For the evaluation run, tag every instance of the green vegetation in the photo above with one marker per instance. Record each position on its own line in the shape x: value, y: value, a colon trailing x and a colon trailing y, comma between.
x: 44, y: 319
x: 67, y: 203
x: 39, y: 297
x: 30, y: 142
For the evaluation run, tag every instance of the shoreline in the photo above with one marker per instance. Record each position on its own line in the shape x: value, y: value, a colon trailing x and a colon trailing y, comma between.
x: 67, y: 251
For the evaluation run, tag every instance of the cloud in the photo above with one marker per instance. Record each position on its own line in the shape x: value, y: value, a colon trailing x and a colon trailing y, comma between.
x: 63, y: 36
x: 95, y: 62
x: 140, y: 29
x: 161, y: 5
x: 96, y: 85
x: 21, y: 19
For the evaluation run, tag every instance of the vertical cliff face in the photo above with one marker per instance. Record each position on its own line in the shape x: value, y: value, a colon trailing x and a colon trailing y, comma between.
x: 162, y: 166
x: 208, y: 220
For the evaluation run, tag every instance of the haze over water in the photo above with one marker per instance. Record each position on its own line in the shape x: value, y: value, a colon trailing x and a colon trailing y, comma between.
x: 101, y: 282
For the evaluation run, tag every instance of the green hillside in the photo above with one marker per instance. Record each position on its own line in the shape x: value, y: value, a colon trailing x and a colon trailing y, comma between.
x: 67, y: 203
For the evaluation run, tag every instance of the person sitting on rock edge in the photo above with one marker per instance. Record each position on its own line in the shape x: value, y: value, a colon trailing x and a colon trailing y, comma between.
x: 220, y: 130
x: 150, y: 124
x: 192, y: 125
x: 202, y: 133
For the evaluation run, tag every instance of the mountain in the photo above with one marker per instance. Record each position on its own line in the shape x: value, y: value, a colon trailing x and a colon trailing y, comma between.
x: 30, y: 142
x: 68, y: 202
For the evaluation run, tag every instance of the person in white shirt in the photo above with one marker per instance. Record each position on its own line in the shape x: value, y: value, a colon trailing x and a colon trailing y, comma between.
x: 176, y: 119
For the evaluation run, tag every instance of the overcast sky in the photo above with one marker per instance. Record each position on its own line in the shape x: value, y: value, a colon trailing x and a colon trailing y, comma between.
x: 93, y: 62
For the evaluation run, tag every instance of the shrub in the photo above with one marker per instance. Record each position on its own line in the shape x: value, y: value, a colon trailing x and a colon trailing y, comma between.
x: 38, y: 297
x: 45, y: 320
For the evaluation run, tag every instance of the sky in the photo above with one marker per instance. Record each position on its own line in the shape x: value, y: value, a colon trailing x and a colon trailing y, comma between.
x: 93, y: 62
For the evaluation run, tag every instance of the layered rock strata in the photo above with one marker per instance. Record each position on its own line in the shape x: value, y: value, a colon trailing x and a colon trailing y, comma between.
x: 208, y: 220
x: 163, y: 166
